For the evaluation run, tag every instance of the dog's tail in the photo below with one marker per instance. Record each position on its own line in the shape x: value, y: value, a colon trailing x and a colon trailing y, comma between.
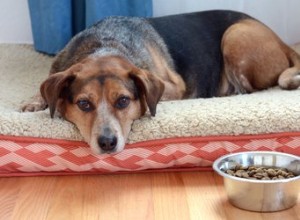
x: 290, y: 78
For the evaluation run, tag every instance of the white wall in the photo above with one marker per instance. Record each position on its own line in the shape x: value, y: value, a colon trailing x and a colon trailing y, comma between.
x: 281, y: 15
x: 15, y: 26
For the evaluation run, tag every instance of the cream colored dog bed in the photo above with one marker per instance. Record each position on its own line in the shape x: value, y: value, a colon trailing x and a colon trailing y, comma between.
x: 266, y: 112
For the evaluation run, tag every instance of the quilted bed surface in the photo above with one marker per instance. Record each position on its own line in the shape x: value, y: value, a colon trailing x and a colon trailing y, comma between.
x: 183, y: 134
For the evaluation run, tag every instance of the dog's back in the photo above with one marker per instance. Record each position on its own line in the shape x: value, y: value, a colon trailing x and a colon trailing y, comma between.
x: 129, y: 37
x: 194, y: 42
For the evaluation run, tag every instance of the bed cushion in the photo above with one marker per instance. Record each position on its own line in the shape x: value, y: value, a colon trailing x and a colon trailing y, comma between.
x: 184, y: 134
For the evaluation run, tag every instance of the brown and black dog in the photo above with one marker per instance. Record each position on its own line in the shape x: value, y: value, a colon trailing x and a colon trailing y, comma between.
x: 109, y: 74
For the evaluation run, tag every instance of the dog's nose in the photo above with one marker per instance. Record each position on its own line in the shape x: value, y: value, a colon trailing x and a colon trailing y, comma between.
x: 107, y: 143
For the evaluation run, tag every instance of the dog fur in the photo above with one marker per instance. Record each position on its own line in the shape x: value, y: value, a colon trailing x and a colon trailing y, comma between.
x: 109, y: 74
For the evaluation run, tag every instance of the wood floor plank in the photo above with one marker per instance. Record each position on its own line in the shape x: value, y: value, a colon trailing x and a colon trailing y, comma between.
x: 135, y: 199
x: 169, y: 197
x: 9, y: 192
x: 35, y: 196
x: 202, y: 196
x: 67, y: 197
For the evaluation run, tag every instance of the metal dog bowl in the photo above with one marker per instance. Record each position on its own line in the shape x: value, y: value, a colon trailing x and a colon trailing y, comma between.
x: 260, y: 195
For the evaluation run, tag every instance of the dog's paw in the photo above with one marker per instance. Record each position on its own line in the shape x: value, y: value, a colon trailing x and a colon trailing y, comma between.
x: 36, y: 103
x: 33, y: 107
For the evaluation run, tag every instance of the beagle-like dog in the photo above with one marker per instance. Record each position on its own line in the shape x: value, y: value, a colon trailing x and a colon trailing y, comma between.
x: 111, y: 73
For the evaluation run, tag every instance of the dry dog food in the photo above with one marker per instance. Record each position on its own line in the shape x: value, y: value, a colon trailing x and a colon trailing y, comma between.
x: 260, y: 173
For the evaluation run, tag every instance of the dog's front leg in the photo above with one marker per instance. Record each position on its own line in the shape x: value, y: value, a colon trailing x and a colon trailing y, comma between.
x: 35, y: 103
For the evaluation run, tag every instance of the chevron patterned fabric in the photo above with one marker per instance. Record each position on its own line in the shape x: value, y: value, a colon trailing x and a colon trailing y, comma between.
x: 21, y: 156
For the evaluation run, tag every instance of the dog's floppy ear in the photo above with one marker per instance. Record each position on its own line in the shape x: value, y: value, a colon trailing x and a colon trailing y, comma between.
x: 52, y: 88
x: 150, y: 85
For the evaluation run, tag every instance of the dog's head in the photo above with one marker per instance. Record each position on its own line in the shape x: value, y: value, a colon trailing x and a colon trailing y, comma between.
x: 102, y: 97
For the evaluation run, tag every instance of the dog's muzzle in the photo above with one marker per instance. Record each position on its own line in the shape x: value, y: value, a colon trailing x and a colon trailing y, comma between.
x: 107, y: 141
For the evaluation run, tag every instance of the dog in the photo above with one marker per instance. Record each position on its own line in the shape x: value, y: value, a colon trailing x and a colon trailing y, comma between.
x: 108, y: 75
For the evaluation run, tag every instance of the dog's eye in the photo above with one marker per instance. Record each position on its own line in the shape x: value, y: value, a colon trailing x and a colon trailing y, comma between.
x: 122, y: 102
x: 85, y: 105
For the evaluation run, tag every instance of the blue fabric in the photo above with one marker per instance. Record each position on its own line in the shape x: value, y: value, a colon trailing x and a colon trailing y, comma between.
x: 51, y: 23
x: 99, y: 9
x: 54, y: 22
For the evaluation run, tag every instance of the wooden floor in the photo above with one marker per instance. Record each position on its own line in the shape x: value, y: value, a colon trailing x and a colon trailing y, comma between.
x: 185, y: 195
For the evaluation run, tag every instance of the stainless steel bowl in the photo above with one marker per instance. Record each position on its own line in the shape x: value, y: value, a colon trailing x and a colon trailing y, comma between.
x: 260, y: 195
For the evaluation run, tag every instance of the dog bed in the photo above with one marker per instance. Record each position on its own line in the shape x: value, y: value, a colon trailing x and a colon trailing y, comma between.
x: 184, y: 135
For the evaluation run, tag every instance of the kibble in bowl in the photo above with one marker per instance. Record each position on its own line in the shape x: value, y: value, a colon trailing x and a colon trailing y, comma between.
x: 260, y: 181
x: 260, y: 172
